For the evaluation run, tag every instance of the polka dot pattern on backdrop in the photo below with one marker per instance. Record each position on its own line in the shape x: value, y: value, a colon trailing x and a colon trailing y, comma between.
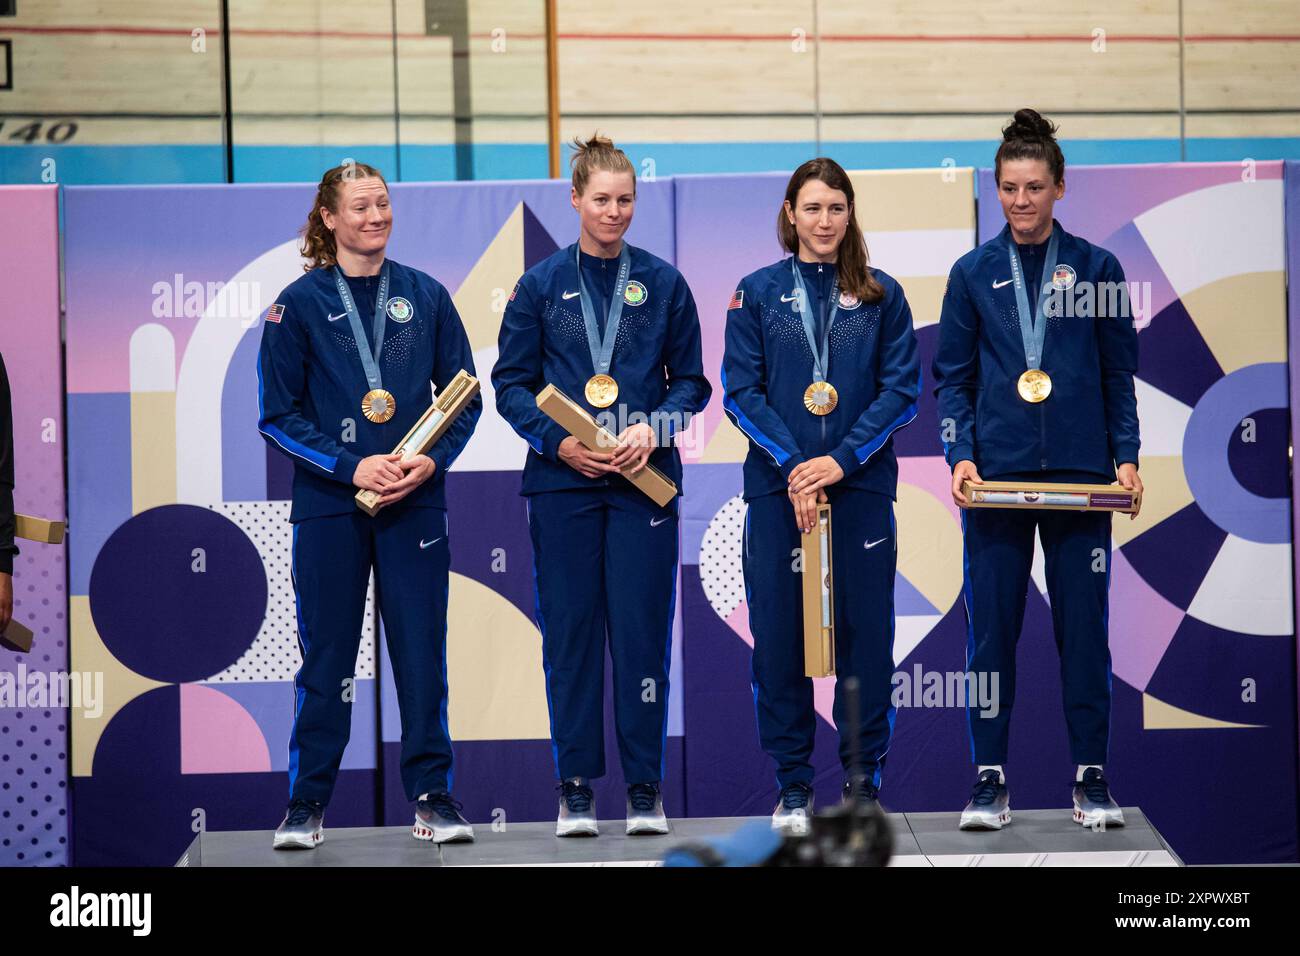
x: 274, y: 654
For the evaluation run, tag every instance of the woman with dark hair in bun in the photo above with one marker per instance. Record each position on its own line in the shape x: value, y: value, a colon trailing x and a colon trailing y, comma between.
x: 1034, y: 377
x: 820, y: 368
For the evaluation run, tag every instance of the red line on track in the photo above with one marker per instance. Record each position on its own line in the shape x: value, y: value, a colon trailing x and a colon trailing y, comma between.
x: 180, y: 32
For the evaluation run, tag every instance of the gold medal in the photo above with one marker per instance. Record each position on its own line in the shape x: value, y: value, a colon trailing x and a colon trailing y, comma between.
x: 379, y: 405
x: 1034, y: 385
x: 820, y: 398
x: 601, y: 391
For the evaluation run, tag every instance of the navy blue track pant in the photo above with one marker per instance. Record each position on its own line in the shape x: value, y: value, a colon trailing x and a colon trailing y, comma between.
x: 999, y: 553
x: 605, y: 562
x: 863, y: 559
x: 332, y: 558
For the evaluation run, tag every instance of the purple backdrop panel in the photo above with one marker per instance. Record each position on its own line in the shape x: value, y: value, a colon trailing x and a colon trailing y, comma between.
x: 34, y: 727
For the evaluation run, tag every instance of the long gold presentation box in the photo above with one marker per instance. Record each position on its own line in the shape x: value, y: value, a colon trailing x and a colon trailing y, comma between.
x: 433, y: 424
x: 1051, y: 497
x: 818, y: 598
x: 18, y: 635
x: 574, y: 419
x: 39, y: 529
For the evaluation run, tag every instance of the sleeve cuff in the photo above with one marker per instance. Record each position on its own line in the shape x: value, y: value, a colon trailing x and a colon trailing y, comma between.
x: 1126, y: 455
x: 7, y: 561
x: 439, y: 456
x: 791, y: 463
x: 551, y: 443
x: 962, y: 451
x: 846, y: 459
x: 667, y: 423
x: 346, y: 467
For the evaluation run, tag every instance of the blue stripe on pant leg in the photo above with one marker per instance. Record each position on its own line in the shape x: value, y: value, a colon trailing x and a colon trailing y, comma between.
x: 299, y: 694
x: 968, y: 599
x: 668, y: 656
x: 541, y: 626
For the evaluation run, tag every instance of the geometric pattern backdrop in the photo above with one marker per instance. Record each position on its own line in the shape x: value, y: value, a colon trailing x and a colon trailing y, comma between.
x: 178, y: 590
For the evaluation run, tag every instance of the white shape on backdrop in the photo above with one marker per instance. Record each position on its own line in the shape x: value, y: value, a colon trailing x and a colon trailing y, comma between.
x: 153, y: 359
x: 1247, y: 589
x: 1217, y: 232
x: 203, y: 371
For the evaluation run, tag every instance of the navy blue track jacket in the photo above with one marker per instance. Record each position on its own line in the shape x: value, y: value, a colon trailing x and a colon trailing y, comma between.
x: 543, y: 341
x: 1089, y: 421
x: 767, y: 365
x: 311, y: 382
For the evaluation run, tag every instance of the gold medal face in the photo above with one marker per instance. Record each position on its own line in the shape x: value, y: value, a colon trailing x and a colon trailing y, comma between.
x: 820, y: 398
x: 379, y: 405
x: 601, y: 391
x: 1034, y: 385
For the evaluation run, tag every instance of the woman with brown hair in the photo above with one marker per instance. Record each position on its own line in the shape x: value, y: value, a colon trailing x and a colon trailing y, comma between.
x: 1049, y: 398
x: 615, y: 329
x: 349, y: 352
x: 820, y: 368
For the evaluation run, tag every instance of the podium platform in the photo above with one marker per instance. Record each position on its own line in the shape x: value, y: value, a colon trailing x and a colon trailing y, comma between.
x: 1034, y: 838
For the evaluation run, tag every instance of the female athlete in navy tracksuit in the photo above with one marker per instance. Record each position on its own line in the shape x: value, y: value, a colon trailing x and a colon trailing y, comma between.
x: 1034, y: 376
x: 348, y: 354
x: 820, y: 368
x: 615, y: 329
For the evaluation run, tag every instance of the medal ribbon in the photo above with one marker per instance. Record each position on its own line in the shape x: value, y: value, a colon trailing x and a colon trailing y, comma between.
x: 369, y: 362
x: 1033, y: 336
x: 822, y: 356
x: 602, y: 350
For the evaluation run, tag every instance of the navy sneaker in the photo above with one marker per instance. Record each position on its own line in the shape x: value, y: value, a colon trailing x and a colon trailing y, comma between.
x: 1093, y: 806
x: 577, y: 809
x: 990, y: 804
x: 861, y: 792
x: 438, y: 818
x: 303, y: 826
x: 793, y: 809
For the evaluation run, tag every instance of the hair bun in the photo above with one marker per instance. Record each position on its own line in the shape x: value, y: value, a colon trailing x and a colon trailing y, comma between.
x: 1029, y: 124
x: 594, y: 143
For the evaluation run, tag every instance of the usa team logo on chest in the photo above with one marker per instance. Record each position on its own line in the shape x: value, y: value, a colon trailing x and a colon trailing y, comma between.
x: 849, y: 301
x: 400, y: 310
x: 1062, y: 277
x: 635, y: 293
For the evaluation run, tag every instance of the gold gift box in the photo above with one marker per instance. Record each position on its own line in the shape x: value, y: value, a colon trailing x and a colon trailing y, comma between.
x: 574, y: 419
x: 432, y: 425
x: 1047, y: 496
x: 818, y: 598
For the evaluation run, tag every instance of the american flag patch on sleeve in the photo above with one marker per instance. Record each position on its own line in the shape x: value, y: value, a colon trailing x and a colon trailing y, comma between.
x: 514, y: 292
x: 737, y: 300
x: 275, y: 313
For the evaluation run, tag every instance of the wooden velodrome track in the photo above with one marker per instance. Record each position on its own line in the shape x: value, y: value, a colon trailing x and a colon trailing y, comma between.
x: 676, y: 71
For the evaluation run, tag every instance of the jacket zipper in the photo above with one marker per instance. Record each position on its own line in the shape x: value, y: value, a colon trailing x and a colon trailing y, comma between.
x: 828, y: 361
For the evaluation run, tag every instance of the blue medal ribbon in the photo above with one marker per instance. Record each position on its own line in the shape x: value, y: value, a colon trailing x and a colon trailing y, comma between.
x: 602, y: 349
x: 822, y: 354
x: 1034, y: 334
x: 369, y: 362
